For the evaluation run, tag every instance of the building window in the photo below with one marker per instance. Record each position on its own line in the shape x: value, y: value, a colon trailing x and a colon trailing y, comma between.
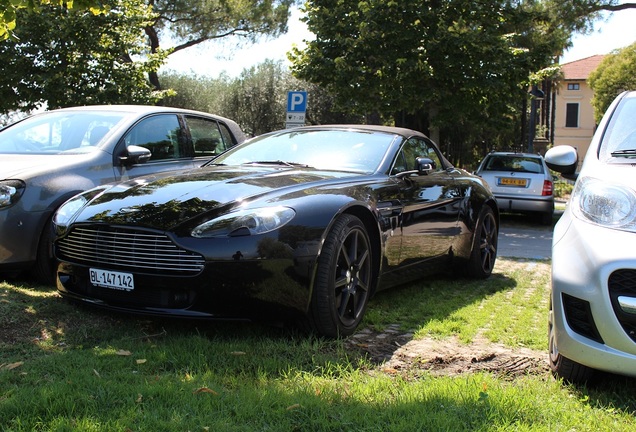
x: 574, y: 86
x: 572, y: 115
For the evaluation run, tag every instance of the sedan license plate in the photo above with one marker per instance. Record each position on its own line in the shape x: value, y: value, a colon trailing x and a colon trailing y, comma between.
x: 506, y: 181
x: 112, y: 279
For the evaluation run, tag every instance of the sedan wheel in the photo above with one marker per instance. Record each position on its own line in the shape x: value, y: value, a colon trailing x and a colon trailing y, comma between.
x: 484, y: 253
x: 343, y: 279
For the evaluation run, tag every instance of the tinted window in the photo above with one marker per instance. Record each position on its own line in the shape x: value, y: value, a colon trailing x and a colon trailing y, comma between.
x: 206, y: 136
x: 160, y: 134
x: 514, y: 164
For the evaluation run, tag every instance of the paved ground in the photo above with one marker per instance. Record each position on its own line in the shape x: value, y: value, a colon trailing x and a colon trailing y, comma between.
x: 524, y: 237
x: 531, y: 243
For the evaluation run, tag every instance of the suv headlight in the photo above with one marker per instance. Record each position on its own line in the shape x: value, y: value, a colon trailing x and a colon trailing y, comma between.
x: 606, y: 204
x: 10, y: 192
x: 245, y: 222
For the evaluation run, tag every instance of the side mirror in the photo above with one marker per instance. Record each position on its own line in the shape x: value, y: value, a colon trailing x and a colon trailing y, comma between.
x: 425, y: 166
x: 563, y: 159
x: 135, y: 155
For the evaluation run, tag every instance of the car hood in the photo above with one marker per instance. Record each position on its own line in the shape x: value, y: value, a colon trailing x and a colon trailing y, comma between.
x: 24, y: 167
x: 164, y: 201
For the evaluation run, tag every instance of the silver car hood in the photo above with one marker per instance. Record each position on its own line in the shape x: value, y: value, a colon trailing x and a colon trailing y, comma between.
x: 23, y: 167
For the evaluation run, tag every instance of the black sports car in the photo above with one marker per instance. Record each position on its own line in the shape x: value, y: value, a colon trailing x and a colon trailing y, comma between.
x: 307, y: 222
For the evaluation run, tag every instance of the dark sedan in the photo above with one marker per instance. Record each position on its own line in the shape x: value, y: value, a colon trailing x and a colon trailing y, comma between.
x: 47, y: 158
x: 303, y: 223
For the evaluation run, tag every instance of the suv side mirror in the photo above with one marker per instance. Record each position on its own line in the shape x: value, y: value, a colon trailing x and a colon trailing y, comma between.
x: 563, y: 159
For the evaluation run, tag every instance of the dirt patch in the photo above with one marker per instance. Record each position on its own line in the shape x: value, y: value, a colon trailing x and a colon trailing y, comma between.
x: 397, y: 352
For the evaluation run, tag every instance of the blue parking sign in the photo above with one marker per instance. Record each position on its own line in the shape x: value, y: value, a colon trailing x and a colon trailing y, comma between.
x: 296, y: 101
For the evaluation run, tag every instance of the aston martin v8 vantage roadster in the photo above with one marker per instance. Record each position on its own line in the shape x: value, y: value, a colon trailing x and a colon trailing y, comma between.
x: 303, y: 223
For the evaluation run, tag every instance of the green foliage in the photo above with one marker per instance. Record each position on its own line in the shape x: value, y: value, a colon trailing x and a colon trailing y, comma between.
x: 61, y: 57
x: 10, y: 9
x: 190, y: 22
x: 457, y: 66
x: 615, y: 74
x: 256, y: 100
x: 197, y: 92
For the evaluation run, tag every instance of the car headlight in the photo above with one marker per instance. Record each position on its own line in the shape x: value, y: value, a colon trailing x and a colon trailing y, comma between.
x: 10, y: 192
x: 245, y: 222
x: 607, y: 204
x: 67, y: 211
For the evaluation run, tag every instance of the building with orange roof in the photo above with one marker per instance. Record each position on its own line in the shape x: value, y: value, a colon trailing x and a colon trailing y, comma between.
x: 574, y: 122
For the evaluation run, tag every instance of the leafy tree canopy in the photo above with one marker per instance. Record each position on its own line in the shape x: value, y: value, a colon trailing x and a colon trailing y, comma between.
x: 61, y: 57
x: 452, y: 59
x: 615, y: 74
x: 456, y: 66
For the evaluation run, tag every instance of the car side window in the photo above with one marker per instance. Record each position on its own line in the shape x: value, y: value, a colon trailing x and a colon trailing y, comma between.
x: 207, y: 139
x: 160, y: 134
x: 228, y: 138
x: 411, y: 150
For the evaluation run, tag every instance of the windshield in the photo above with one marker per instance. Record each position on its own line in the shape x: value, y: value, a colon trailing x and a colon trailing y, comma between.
x: 620, y: 135
x: 58, y: 132
x: 342, y: 150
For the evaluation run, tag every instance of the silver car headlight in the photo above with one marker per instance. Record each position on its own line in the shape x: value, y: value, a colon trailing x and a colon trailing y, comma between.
x: 606, y: 204
x: 10, y: 192
x: 245, y: 222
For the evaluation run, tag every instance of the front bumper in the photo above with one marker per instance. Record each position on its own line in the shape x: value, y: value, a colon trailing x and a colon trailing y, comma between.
x: 250, y: 289
x: 589, y: 265
x: 19, y: 236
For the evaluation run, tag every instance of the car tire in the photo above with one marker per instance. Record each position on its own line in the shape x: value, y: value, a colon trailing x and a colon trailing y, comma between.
x: 343, y: 279
x: 484, y: 247
x: 45, y: 264
x: 547, y: 218
x: 562, y: 367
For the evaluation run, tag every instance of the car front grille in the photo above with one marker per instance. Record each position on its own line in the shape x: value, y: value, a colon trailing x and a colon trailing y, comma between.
x: 622, y: 283
x: 127, y: 249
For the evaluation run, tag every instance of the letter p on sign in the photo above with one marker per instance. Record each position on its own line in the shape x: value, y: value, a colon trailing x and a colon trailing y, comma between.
x: 296, y: 102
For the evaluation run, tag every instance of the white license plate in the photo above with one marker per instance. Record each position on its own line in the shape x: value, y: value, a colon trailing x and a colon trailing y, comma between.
x: 112, y: 279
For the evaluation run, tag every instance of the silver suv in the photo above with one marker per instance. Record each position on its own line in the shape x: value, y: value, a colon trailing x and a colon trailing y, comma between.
x: 521, y: 183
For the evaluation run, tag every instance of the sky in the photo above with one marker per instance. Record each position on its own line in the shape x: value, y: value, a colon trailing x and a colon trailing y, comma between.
x: 614, y: 31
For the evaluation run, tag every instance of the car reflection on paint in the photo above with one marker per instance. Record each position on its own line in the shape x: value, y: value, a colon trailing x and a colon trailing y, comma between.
x: 302, y: 224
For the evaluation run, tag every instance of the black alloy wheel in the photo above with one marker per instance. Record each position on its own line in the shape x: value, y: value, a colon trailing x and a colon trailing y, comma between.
x: 484, y: 253
x: 343, y: 279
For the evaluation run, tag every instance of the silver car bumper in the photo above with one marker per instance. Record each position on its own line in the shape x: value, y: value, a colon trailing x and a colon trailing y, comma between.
x: 508, y: 203
x: 589, y: 329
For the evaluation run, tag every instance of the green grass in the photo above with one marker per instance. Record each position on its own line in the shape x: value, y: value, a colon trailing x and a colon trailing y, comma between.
x: 64, y: 368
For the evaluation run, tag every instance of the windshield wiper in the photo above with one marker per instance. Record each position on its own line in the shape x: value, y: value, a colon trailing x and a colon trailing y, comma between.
x: 624, y: 153
x: 278, y: 162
